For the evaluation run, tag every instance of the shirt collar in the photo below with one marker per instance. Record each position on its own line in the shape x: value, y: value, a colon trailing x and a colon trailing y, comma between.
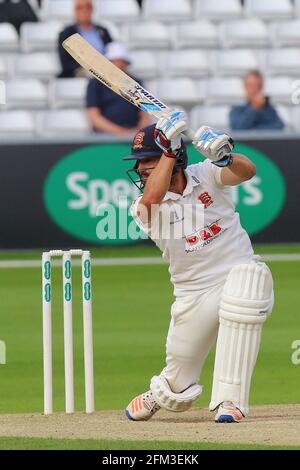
x: 191, y: 182
x: 84, y: 31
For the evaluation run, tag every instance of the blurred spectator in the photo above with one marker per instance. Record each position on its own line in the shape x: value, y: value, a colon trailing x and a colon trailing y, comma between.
x: 96, y: 35
x: 109, y: 112
x: 257, y: 113
x: 140, y: 2
x: 16, y: 12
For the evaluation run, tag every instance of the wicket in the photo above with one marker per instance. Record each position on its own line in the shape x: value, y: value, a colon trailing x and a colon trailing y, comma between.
x: 68, y: 329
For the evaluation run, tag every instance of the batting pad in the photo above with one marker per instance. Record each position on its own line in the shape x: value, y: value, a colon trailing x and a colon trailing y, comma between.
x: 246, y: 301
x: 171, y: 401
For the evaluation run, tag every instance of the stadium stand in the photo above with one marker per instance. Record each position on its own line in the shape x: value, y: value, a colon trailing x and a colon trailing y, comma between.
x: 20, y: 123
x: 250, y: 32
x: 118, y: 10
x: 269, y: 9
x: 218, y: 11
x: 296, y: 118
x: 279, y: 89
x: 144, y: 64
x: 228, y: 90
x: 141, y: 35
x: 200, y: 33
x: 287, y: 115
x: 28, y: 94
x: 167, y: 10
x: 9, y: 40
x: 3, y: 69
x: 187, y: 63
x: 17, y: 12
x: 41, y: 65
x: 68, y: 93
x: 177, y: 91
x: 216, y: 114
x: 283, y: 61
x: 194, y: 57
x: 285, y: 33
x: 236, y: 62
x: 59, y: 10
x: 40, y: 36
x: 63, y: 122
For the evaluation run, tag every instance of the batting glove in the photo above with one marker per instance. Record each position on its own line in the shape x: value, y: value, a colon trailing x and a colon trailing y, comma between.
x: 167, y: 133
x: 214, y: 145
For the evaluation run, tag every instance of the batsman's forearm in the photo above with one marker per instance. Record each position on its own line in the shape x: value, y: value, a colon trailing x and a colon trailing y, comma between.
x: 159, y: 181
x: 242, y: 167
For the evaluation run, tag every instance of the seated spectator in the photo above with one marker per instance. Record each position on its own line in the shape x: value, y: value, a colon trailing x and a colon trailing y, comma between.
x: 16, y: 12
x: 96, y: 35
x: 109, y: 112
x: 257, y: 113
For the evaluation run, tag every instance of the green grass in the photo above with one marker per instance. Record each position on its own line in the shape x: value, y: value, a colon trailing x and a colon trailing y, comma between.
x: 131, y: 316
x: 10, y: 443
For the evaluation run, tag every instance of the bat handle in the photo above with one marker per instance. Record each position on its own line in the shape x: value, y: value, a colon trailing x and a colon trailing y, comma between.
x: 190, y: 134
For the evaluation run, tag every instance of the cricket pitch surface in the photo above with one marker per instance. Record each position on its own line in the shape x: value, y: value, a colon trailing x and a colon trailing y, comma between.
x: 268, y: 425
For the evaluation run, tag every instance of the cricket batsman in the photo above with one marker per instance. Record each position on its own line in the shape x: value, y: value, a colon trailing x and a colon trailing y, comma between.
x: 223, y: 292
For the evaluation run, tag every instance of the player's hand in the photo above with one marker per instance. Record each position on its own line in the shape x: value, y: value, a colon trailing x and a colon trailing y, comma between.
x: 258, y: 101
x: 214, y: 145
x: 168, y: 130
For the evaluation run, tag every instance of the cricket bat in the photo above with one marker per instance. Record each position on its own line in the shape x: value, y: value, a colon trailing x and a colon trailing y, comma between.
x: 114, y: 78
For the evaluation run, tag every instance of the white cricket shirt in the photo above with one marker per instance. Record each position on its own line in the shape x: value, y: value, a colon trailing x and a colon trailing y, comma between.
x: 201, y: 249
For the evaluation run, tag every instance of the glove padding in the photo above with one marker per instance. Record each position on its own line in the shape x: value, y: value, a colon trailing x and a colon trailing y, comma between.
x: 167, y: 133
x: 214, y: 145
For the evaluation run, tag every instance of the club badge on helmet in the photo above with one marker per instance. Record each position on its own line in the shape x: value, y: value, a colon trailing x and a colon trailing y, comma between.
x: 144, y: 146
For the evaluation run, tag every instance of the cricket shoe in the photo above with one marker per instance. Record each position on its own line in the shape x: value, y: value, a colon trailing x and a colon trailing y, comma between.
x: 228, y: 413
x: 142, y: 407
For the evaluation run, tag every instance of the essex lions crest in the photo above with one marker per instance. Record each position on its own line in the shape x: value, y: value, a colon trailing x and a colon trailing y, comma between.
x: 138, y: 141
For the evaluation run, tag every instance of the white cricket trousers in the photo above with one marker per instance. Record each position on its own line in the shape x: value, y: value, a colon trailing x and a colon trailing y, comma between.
x: 193, y: 331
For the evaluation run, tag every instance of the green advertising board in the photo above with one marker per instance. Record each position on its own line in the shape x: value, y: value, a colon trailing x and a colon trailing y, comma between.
x: 89, y: 187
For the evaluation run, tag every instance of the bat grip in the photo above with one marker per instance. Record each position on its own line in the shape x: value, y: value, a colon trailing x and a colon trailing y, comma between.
x: 190, y: 134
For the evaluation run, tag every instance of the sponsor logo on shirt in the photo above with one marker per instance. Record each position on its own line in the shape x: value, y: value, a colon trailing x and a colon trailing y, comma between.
x: 204, y: 236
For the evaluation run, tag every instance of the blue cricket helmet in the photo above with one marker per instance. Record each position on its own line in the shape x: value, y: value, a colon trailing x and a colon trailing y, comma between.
x: 144, y: 146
